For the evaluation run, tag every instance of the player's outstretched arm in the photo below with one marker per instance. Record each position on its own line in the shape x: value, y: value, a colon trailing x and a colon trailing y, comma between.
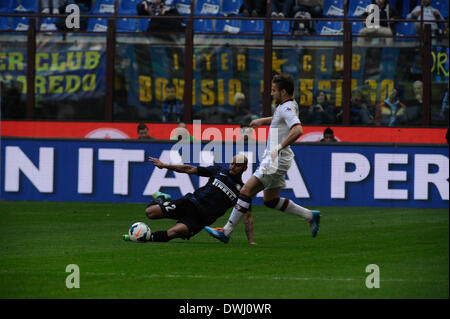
x: 261, y: 121
x: 183, y: 168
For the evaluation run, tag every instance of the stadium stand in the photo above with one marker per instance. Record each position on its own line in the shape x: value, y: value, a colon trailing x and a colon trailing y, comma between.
x: 103, y: 7
x: 230, y: 7
x: 229, y: 26
x: 207, y: 7
x: 203, y: 25
x: 20, y: 23
x: 356, y: 27
x: 405, y: 29
x: 5, y: 23
x: 281, y: 27
x: 142, y: 25
x: 126, y: 25
x: 333, y: 8
x: 7, y: 6
x: 442, y: 6
x: 183, y: 6
x: 97, y: 24
x: 27, y: 6
x: 252, y: 26
x: 329, y: 28
x: 357, y: 7
x: 48, y: 24
x: 128, y: 7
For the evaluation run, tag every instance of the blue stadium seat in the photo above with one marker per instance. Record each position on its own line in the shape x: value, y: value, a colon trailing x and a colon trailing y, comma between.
x: 142, y: 25
x: 230, y: 7
x: 128, y: 7
x: 27, y: 6
x: 183, y: 6
x: 203, y: 25
x: 48, y: 24
x: 207, y: 7
x: 333, y: 8
x: 126, y: 25
x: 103, y: 7
x: 442, y: 6
x: 406, y: 8
x: 20, y: 24
x: 329, y: 28
x: 405, y: 28
x: 252, y: 26
x: 229, y: 26
x: 357, y: 7
x: 356, y: 27
x: 97, y: 24
x: 5, y: 23
x: 281, y: 27
x: 8, y: 6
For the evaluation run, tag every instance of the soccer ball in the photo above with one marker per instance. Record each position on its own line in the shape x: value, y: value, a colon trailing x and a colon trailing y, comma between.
x: 139, y: 232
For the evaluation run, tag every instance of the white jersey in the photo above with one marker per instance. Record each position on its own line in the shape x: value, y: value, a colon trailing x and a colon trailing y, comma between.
x: 284, y: 118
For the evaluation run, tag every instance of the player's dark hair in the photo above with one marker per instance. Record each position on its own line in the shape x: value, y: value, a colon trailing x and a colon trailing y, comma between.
x: 141, y: 126
x: 328, y: 131
x: 284, y: 82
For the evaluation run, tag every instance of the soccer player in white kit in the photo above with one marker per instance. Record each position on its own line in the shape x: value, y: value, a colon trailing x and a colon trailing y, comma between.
x: 285, y: 129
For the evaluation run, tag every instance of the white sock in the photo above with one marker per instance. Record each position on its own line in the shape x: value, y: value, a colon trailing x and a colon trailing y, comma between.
x: 236, y: 216
x: 294, y: 209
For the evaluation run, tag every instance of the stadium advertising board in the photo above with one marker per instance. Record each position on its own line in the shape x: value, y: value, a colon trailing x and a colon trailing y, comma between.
x: 320, y: 175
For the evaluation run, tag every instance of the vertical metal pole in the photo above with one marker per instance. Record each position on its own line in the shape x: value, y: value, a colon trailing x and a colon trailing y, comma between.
x: 188, y: 66
x: 267, y: 110
x: 31, y: 68
x: 347, y: 85
x: 110, y: 58
x: 426, y: 74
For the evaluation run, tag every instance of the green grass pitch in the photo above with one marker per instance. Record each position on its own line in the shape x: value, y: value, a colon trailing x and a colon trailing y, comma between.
x: 39, y: 239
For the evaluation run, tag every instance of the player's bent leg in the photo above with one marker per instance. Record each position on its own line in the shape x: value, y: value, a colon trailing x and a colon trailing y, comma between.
x: 179, y: 230
x: 154, y: 212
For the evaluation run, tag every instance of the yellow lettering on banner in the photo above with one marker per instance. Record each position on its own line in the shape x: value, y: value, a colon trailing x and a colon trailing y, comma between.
x: 387, y: 86
x: 208, y: 61
x: 322, y: 63
x: 354, y: 85
x: 338, y: 100
x: 88, y: 82
x: 55, y: 66
x: 442, y: 58
x: 306, y: 96
x: 73, y: 83
x: 356, y: 62
x: 145, y: 88
x: 160, y: 89
x: 176, y: 65
x: 307, y: 63
x: 179, y: 87
x: 224, y: 58
x: 74, y: 63
x: 15, y: 61
x: 339, y: 62
x: 54, y: 84
x: 372, y: 92
x: 234, y: 86
x: 241, y: 62
x: 193, y: 92
x: 41, y: 66
x: 220, y: 92
x: 208, y: 95
x: 92, y: 60
x: 2, y: 63
x: 325, y: 85
x: 194, y: 63
x: 39, y: 86
x: 261, y: 87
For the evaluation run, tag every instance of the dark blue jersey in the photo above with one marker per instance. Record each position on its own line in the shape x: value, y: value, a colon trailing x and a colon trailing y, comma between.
x: 218, y: 195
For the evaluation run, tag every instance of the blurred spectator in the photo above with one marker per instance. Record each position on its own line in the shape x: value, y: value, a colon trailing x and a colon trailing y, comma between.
x: 281, y: 8
x: 322, y: 111
x: 172, y: 107
x: 55, y: 4
x: 247, y: 133
x: 142, y: 130
x: 413, y: 112
x: 360, y: 111
x: 314, y: 7
x: 241, y: 113
x: 387, y: 28
x: 253, y: 8
x: 444, y: 108
x: 328, y: 136
x: 429, y: 13
x: 391, y: 111
x: 181, y: 132
x: 160, y: 8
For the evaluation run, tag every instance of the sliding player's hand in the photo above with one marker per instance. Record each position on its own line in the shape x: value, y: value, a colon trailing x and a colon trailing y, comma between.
x: 156, y: 161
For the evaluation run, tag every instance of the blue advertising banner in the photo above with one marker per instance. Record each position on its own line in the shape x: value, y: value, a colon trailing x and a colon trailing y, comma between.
x: 320, y: 175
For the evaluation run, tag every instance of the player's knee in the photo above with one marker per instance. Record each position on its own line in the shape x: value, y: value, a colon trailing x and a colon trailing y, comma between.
x: 152, y: 211
x: 272, y: 203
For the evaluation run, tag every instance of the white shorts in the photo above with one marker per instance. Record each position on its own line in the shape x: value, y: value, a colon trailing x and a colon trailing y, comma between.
x: 272, y: 175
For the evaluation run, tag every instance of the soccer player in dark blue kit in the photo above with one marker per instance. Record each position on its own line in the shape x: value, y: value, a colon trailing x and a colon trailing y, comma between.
x: 196, y: 210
